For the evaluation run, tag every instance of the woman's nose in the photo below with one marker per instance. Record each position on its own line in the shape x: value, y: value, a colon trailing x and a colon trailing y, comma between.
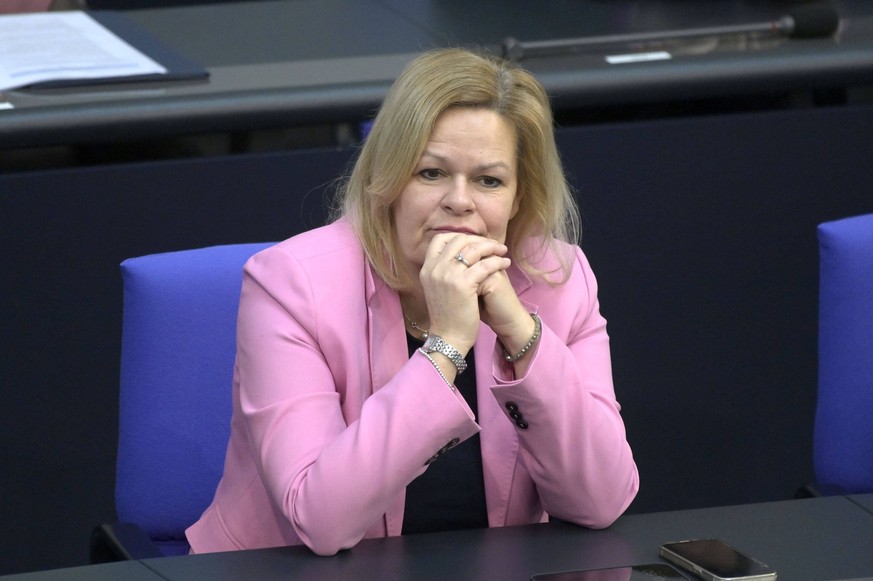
x: 458, y: 198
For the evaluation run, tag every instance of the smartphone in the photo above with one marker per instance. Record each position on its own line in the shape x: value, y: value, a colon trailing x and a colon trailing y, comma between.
x: 715, y: 560
x: 650, y: 572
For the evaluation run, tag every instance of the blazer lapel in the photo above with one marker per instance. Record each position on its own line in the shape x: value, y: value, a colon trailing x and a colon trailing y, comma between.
x: 388, y: 353
x: 387, y: 341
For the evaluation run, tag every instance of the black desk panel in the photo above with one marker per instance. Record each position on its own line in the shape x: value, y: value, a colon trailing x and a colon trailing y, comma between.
x: 122, y: 571
x: 274, y: 31
x: 490, y: 21
x: 817, y: 539
x: 864, y: 500
x: 286, y: 63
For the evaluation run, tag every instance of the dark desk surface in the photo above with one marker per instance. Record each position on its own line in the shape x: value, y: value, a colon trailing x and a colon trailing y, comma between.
x: 816, y: 539
x: 282, y: 63
x: 819, y: 539
x: 864, y: 500
x: 123, y: 571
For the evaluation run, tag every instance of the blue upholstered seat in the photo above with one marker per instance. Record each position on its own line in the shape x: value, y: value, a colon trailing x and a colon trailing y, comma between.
x: 843, y: 442
x: 178, y: 346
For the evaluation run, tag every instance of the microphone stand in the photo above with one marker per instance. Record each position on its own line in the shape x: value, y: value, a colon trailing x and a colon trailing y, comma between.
x: 821, y: 21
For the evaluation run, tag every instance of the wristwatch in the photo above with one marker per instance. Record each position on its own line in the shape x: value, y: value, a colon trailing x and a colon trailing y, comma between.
x: 435, y: 344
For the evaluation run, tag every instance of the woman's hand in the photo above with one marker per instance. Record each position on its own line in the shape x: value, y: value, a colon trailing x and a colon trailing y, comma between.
x: 458, y: 296
x: 503, y: 312
x: 452, y: 288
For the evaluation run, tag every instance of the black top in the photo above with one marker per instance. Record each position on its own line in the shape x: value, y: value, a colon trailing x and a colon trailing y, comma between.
x: 450, y: 494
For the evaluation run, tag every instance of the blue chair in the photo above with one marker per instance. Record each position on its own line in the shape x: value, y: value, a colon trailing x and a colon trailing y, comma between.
x: 177, y: 351
x: 843, y: 436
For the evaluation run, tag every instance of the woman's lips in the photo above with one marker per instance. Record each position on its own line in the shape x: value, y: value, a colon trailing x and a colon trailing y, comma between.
x: 454, y: 230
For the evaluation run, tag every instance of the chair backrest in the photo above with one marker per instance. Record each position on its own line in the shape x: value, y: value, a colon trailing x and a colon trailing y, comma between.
x: 177, y: 352
x: 843, y: 439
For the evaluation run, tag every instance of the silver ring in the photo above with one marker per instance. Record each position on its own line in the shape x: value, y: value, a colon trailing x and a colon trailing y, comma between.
x: 460, y: 258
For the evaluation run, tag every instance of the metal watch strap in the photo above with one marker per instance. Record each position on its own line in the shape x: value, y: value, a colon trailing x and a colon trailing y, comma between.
x: 435, y: 344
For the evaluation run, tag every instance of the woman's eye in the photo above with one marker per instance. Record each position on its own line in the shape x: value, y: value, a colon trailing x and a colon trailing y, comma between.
x: 429, y: 174
x: 490, y: 182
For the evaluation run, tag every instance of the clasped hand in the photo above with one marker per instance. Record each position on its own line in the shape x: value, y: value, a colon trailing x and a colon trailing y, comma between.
x: 459, y: 296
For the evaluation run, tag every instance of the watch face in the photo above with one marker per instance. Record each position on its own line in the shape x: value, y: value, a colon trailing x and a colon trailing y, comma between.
x: 435, y: 344
x: 429, y: 343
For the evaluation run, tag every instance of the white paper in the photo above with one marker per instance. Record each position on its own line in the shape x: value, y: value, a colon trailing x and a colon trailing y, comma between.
x: 64, y: 45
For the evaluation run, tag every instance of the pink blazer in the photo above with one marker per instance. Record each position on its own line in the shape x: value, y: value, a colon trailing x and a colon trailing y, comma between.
x: 332, y: 418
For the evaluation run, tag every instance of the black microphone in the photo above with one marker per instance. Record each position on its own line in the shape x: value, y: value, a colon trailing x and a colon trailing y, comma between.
x: 811, y: 21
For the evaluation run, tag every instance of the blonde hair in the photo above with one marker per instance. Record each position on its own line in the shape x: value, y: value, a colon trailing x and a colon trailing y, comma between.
x: 429, y: 85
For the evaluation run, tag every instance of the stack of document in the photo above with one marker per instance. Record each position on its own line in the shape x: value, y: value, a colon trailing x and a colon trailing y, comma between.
x: 73, y: 47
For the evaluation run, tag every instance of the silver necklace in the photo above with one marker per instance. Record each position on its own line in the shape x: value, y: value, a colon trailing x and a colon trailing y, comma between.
x: 416, y: 327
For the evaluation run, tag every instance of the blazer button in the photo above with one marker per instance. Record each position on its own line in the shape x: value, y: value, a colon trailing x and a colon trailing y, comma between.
x: 516, y: 415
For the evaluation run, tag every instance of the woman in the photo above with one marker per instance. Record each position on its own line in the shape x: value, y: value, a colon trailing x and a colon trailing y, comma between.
x: 434, y: 358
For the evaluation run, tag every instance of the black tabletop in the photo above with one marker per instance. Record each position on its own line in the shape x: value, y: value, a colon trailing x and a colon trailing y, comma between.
x: 816, y: 539
x: 123, y: 570
x: 813, y: 539
x: 864, y: 500
x: 281, y: 63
